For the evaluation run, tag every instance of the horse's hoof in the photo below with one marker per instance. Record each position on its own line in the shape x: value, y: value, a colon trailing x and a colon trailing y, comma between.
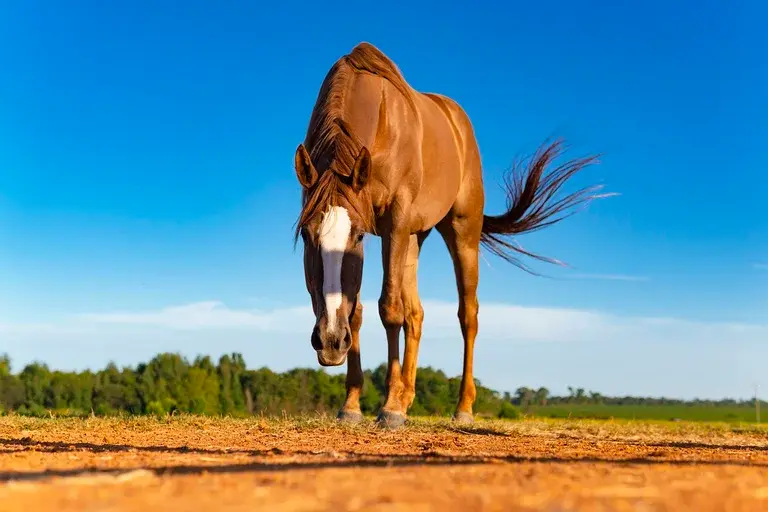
x: 390, y: 420
x: 350, y: 416
x: 463, y: 418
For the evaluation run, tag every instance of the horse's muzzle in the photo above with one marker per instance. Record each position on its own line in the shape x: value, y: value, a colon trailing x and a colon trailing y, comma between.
x: 331, y: 359
x: 331, y: 348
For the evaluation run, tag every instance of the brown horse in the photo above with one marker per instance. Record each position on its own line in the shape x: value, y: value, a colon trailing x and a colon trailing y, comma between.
x: 382, y: 158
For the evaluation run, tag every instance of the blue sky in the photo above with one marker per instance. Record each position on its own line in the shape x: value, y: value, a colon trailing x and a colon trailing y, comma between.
x: 146, y: 157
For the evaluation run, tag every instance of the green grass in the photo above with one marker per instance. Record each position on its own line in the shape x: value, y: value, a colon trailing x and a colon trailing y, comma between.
x: 617, y: 428
x: 646, y: 412
x: 663, y: 413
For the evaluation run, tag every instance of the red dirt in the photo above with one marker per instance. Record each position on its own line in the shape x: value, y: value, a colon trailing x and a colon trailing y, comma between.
x: 205, y: 464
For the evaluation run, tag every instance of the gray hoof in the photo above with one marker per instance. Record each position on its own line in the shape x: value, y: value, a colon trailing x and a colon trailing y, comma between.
x: 350, y: 416
x: 463, y: 418
x: 390, y: 420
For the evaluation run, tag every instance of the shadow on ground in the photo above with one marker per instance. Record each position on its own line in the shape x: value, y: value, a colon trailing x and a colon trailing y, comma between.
x: 7, y: 445
x: 339, y: 460
x: 59, y: 446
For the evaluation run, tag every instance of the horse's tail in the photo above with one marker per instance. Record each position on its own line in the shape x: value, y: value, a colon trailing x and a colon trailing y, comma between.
x: 531, y: 207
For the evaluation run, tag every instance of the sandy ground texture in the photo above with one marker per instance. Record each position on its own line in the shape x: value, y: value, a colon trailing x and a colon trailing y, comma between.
x: 194, y: 463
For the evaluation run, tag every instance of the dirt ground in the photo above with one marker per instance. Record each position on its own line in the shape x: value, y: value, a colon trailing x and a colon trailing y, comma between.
x: 194, y: 463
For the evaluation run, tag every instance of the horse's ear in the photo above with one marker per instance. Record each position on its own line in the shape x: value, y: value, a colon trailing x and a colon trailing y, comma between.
x: 361, y: 171
x: 305, y: 171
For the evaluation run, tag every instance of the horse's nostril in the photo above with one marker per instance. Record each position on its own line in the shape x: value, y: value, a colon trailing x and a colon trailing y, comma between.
x: 317, y: 344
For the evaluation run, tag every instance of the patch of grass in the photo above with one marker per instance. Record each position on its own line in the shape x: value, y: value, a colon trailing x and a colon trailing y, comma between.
x: 597, y: 429
x: 647, y: 412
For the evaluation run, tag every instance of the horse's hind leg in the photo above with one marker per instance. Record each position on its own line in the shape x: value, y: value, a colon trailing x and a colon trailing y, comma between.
x: 462, y: 236
x: 414, y: 318
x: 350, y: 411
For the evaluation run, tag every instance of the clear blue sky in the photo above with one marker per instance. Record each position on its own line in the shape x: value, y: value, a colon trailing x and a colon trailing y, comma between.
x: 146, y: 154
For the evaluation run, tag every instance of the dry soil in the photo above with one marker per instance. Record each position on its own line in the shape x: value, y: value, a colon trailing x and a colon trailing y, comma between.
x: 194, y: 463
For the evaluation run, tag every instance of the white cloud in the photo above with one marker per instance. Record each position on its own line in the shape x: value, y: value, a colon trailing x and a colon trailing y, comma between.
x: 208, y: 315
x: 530, y: 324
x: 516, y: 345
x: 511, y: 323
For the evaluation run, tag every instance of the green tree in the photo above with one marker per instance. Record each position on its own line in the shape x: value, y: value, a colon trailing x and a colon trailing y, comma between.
x: 36, y: 379
x: 231, y: 371
x: 5, y: 366
x: 541, y: 396
x: 524, y: 396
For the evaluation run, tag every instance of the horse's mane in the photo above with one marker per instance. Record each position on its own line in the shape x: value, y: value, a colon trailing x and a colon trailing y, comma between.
x: 332, y: 145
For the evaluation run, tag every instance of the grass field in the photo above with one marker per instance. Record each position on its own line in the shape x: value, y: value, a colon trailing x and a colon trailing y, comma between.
x: 312, y: 463
x: 718, y: 413
x: 672, y: 412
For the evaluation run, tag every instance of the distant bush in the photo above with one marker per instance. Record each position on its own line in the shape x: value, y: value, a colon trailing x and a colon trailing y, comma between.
x: 508, y: 411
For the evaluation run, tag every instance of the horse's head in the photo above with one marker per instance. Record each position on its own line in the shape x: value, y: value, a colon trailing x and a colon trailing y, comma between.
x: 332, y: 230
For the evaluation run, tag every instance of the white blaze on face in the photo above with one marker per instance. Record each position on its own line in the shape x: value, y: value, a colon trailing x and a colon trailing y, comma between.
x: 334, y: 233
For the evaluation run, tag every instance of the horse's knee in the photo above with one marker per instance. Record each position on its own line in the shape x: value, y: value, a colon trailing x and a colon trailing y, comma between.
x: 468, y: 310
x: 417, y: 314
x: 391, y: 312
x: 414, y: 318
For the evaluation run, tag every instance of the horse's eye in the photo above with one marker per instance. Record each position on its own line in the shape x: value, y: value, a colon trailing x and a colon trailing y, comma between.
x: 360, y: 237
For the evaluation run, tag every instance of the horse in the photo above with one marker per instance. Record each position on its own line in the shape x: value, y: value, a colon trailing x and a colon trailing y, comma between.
x: 383, y: 159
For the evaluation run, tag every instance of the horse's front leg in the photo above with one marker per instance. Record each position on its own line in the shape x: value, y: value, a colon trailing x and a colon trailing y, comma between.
x: 394, y: 249
x: 350, y: 411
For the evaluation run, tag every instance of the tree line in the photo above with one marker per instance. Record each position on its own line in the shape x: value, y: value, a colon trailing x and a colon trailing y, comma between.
x: 171, y: 383
x: 525, y: 397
